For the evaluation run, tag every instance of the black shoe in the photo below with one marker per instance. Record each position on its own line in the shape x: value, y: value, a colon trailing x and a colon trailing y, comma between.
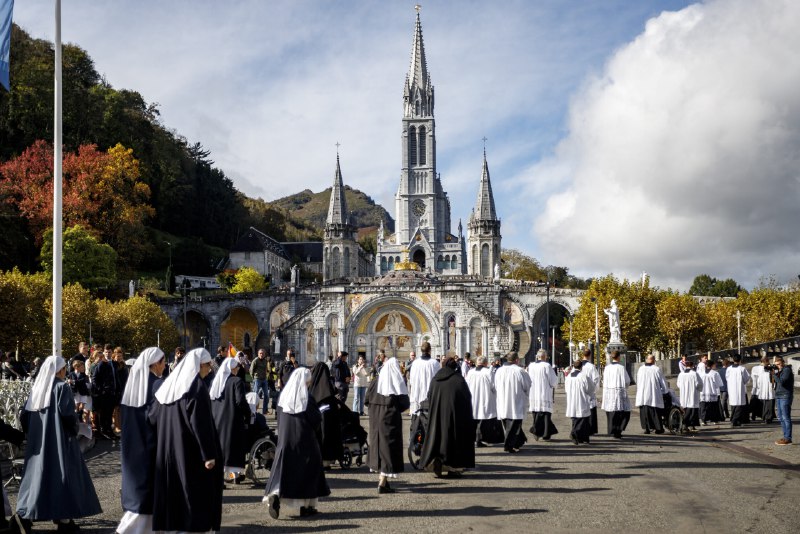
x: 274, y: 506
x: 479, y: 444
x: 647, y: 431
x: 386, y: 489
x: 575, y: 440
x: 437, y: 467
x: 659, y: 431
x: 21, y: 525
x: 308, y: 511
x: 68, y: 528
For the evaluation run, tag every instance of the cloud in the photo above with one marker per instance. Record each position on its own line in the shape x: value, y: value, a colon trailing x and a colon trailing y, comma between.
x: 683, y: 156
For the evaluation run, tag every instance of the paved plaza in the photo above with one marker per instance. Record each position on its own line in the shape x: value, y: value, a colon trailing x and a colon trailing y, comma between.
x: 719, y: 480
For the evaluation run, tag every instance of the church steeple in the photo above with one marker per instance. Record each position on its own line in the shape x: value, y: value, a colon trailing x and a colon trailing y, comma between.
x: 418, y: 90
x: 484, y: 206
x: 337, y: 208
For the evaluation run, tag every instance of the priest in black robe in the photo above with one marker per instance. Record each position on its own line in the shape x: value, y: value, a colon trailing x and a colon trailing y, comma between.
x: 138, y: 451
x: 387, y: 398
x: 324, y: 395
x: 56, y: 485
x: 450, y: 438
x: 297, y: 478
x: 231, y: 417
x: 188, y: 470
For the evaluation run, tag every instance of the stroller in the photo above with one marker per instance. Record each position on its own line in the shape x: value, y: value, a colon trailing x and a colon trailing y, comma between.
x: 419, y: 427
x: 263, y: 444
x: 354, y: 438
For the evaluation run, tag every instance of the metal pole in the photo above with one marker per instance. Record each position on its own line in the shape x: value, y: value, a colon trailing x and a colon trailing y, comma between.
x: 158, y: 338
x: 596, y: 331
x: 553, y: 354
x: 738, y: 332
x: 185, y: 328
x: 547, y: 319
x: 57, y: 190
x: 90, y: 333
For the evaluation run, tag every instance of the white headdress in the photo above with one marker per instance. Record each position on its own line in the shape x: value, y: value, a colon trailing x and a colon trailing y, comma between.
x: 39, y: 398
x: 390, y: 379
x: 225, y: 370
x: 294, y: 395
x: 135, y: 394
x: 180, y: 379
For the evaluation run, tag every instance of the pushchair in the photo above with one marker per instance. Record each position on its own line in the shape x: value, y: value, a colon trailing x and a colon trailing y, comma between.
x: 419, y: 427
x: 354, y: 438
x: 258, y: 462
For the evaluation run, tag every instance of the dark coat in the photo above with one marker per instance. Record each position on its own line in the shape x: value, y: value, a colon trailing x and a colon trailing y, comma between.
x: 56, y: 483
x: 386, y: 445
x: 187, y: 496
x: 297, y: 471
x: 138, y: 453
x: 104, y: 379
x: 323, y: 393
x: 232, y: 417
x: 80, y: 383
x: 451, y: 428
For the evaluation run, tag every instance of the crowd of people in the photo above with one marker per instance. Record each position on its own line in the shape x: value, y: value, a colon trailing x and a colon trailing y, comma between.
x: 183, y: 427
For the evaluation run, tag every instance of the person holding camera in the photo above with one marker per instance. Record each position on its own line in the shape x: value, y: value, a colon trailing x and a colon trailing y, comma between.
x: 784, y: 391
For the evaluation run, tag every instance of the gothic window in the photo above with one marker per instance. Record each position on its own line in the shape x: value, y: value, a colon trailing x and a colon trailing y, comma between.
x: 397, y: 259
x: 454, y: 263
x: 422, y: 151
x: 476, y: 262
x: 336, y: 262
x: 486, y: 268
x: 383, y: 264
x: 346, y: 271
x: 390, y: 265
x: 412, y: 147
x: 416, y: 107
x: 440, y: 263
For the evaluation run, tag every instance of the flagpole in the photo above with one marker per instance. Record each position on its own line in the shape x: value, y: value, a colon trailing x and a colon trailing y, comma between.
x: 57, y: 191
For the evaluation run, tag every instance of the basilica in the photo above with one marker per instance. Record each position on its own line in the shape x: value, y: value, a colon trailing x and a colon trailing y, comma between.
x: 424, y: 283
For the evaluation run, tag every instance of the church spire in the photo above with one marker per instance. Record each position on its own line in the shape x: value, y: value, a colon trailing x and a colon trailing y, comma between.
x: 418, y: 90
x: 484, y: 206
x: 337, y: 209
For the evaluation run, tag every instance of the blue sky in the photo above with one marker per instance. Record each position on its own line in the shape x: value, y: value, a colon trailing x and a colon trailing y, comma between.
x: 581, y: 103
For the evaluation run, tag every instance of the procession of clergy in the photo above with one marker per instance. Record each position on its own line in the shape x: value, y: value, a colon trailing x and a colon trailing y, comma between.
x: 180, y: 438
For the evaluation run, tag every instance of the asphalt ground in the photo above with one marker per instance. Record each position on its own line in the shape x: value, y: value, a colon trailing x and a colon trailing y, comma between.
x: 717, y: 480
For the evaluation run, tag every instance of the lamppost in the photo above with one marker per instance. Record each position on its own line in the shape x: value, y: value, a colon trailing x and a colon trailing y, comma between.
x: 90, y: 332
x: 169, y: 269
x: 185, y: 287
x: 596, y: 327
x: 738, y: 332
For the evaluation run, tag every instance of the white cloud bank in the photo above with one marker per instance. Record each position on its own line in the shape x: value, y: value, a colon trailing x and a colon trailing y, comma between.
x: 683, y: 157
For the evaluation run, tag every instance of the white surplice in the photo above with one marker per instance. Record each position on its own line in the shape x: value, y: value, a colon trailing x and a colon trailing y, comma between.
x: 615, y: 388
x: 579, y: 390
x: 512, y: 384
x: 650, y: 386
x: 543, y: 380
x: 762, y: 383
x: 737, y: 378
x: 419, y: 381
x: 701, y: 368
x: 755, y: 374
x: 484, y: 397
x: 712, y: 383
x: 690, y: 386
x: 591, y: 371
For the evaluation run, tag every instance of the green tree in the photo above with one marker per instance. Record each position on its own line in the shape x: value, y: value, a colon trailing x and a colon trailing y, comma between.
x: 680, y: 319
x: 707, y: 286
x: 702, y: 285
x: 85, y: 261
x: 248, y: 280
x: 78, y: 309
x: 519, y: 266
x: 132, y: 324
x: 720, y: 318
x: 24, y: 313
x: 768, y: 313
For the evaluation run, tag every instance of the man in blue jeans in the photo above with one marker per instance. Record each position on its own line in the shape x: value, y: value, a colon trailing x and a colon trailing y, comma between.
x: 258, y: 370
x: 784, y: 391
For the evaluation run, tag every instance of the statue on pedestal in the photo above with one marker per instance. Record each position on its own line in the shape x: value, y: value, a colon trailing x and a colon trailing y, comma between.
x: 613, y: 322
x: 496, y: 272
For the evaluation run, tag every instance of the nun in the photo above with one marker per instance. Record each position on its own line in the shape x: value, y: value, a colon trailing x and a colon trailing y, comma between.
x: 138, y: 449
x: 297, y: 478
x: 387, y: 399
x: 325, y: 396
x: 56, y: 485
x: 188, y: 475
x: 231, y: 417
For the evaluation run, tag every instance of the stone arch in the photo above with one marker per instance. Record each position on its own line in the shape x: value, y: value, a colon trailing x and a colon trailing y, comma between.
x: 196, y: 332
x: 560, y: 312
x: 418, y: 257
x: 486, y: 267
x: 239, y: 322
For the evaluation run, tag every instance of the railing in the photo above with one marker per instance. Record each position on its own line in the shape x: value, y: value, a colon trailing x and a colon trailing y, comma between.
x: 13, y: 394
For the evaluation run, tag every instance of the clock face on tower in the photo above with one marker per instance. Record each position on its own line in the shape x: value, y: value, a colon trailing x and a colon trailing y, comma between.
x: 418, y: 207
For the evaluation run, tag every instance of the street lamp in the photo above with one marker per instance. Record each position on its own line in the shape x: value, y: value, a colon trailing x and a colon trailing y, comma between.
x: 596, y: 326
x: 90, y: 332
x: 158, y: 338
x: 738, y: 332
x: 185, y: 287
x: 169, y: 269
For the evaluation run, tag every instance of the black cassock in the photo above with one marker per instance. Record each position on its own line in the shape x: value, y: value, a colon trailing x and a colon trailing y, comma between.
x: 331, y: 429
x: 138, y: 453
x: 297, y: 470
x: 451, y: 428
x: 188, y: 497
x: 386, y: 445
x: 231, y: 417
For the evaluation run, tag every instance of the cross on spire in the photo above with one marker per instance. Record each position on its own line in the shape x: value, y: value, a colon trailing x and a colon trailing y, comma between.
x: 338, y: 144
x: 418, y: 7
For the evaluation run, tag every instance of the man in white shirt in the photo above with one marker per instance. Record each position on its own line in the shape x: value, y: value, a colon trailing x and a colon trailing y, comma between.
x: 616, y: 403
x: 579, y: 389
x: 762, y: 386
x: 709, y: 397
x: 512, y: 384
x: 484, y: 399
x: 737, y: 378
x: 419, y: 381
x: 543, y: 382
x: 650, y: 390
x: 588, y: 368
x: 690, y: 386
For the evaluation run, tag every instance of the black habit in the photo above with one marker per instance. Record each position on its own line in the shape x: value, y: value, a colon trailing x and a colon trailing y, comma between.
x: 188, y: 497
x: 543, y: 426
x: 231, y: 417
x: 385, y: 430
x: 297, y: 470
x: 138, y: 453
x: 323, y: 393
x: 451, y: 428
